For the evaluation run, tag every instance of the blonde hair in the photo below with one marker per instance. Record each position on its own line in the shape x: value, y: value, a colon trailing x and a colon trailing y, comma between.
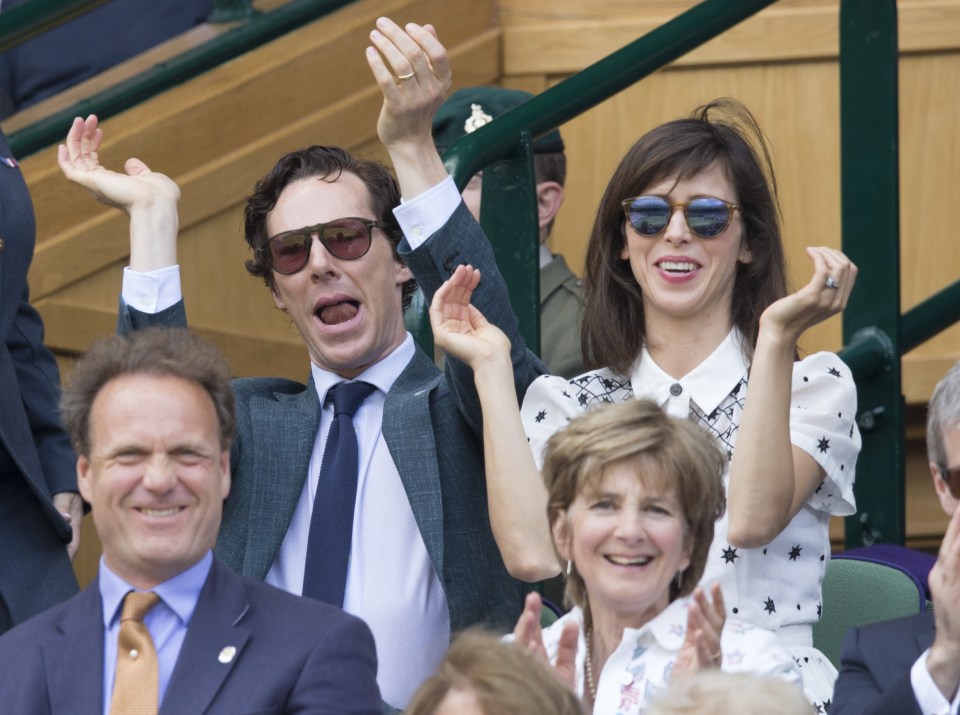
x: 721, y: 693
x: 505, y: 680
x: 677, y: 455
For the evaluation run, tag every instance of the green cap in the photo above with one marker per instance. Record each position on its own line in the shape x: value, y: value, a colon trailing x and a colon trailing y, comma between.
x: 468, y: 109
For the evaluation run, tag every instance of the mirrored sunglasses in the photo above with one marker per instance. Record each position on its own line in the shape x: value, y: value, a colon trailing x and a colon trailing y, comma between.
x: 706, y: 216
x: 345, y: 238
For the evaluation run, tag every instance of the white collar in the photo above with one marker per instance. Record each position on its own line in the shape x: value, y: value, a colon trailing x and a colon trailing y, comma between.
x: 706, y: 385
x: 382, y: 374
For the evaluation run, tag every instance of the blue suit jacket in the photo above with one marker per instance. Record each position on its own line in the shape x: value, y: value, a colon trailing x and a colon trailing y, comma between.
x: 292, y: 655
x: 875, y: 667
x: 34, y: 450
x: 432, y: 425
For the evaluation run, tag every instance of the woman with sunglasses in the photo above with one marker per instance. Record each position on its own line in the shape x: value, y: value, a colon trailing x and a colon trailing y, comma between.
x: 686, y: 304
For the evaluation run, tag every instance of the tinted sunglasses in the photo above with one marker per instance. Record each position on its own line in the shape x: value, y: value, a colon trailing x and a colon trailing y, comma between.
x: 951, y: 478
x: 706, y: 216
x: 345, y: 238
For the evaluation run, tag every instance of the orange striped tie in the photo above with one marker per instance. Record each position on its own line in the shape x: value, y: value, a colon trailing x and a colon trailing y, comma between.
x: 136, y: 688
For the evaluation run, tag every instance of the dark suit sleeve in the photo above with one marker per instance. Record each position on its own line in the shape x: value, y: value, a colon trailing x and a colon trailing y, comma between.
x: 858, y: 692
x: 461, y: 241
x: 130, y: 319
x: 39, y: 382
x: 340, y: 675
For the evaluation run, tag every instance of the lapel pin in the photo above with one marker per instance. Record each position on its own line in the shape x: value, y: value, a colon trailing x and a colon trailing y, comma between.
x: 226, y: 655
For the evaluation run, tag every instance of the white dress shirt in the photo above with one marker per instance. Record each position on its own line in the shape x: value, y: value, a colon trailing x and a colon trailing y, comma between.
x: 391, y: 583
x: 928, y: 695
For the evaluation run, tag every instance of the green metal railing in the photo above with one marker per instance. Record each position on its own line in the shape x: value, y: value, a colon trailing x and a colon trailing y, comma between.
x: 258, y: 30
x: 37, y: 16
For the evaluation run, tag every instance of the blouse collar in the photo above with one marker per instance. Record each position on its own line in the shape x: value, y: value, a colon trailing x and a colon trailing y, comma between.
x: 706, y: 385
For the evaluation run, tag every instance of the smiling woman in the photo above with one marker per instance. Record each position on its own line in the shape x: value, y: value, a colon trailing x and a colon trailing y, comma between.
x: 633, y: 495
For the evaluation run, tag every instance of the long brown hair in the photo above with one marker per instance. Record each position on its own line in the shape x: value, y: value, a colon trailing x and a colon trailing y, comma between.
x: 722, y: 133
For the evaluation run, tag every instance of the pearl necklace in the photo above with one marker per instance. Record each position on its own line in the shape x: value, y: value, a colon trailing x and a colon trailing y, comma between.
x: 588, y: 668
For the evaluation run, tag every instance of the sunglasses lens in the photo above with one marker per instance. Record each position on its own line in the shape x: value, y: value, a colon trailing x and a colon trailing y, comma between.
x: 708, y: 217
x: 347, y: 239
x: 649, y: 215
x: 289, y: 251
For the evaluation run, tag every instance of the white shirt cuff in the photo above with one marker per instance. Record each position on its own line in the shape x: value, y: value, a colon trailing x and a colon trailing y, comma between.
x: 151, y: 292
x: 928, y: 695
x: 425, y: 214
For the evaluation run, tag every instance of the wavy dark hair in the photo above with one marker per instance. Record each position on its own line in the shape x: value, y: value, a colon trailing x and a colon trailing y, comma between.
x: 327, y: 163
x: 722, y: 133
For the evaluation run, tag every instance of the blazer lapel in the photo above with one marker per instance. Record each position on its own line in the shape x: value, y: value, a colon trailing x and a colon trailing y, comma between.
x: 284, y: 430
x: 214, y: 642
x: 409, y: 434
x: 73, y: 656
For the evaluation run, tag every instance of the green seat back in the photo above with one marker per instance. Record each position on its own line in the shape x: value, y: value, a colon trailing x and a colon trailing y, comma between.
x: 856, y: 593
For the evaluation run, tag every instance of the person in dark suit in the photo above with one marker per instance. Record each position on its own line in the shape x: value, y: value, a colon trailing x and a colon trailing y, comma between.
x: 423, y: 563
x: 152, y: 417
x: 40, y: 511
x: 88, y: 44
x: 912, y: 665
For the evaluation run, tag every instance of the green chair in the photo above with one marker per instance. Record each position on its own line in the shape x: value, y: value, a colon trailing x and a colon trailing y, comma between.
x: 857, y: 592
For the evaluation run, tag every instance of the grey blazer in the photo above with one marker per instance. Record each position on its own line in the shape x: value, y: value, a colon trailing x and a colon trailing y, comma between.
x: 432, y: 425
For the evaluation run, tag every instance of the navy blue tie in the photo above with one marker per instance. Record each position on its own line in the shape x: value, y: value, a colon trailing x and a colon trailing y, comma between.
x: 331, y: 524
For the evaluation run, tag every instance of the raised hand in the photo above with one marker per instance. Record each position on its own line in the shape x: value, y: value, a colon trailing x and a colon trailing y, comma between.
x: 701, y: 645
x: 529, y: 635
x: 411, y: 67
x: 80, y: 162
x: 150, y: 198
x: 943, y: 662
x: 459, y: 328
x: 824, y: 296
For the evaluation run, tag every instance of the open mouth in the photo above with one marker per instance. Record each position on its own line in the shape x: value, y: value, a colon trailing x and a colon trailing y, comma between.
x: 336, y: 313
x: 624, y: 561
x: 677, y: 267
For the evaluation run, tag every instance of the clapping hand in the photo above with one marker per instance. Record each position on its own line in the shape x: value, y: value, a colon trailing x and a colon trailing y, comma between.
x: 701, y: 645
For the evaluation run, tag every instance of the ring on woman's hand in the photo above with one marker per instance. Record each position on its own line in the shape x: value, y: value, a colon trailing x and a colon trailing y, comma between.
x: 830, y: 283
x: 406, y: 76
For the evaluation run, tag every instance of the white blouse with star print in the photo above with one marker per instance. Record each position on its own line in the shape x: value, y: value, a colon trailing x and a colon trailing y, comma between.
x: 639, y: 669
x: 779, y: 584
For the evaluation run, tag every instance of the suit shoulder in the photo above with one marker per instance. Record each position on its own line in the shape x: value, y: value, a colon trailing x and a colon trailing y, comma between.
x: 246, y: 387
x: 30, y: 632
x: 896, y: 629
x: 296, y: 613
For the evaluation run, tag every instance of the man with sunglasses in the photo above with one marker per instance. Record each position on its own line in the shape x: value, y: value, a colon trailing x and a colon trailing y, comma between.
x: 421, y: 562
x: 912, y: 665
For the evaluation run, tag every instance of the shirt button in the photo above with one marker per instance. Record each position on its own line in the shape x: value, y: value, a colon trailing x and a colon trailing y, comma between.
x: 134, y: 653
x: 415, y: 231
x: 626, y: 678
x: 676, y: 389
